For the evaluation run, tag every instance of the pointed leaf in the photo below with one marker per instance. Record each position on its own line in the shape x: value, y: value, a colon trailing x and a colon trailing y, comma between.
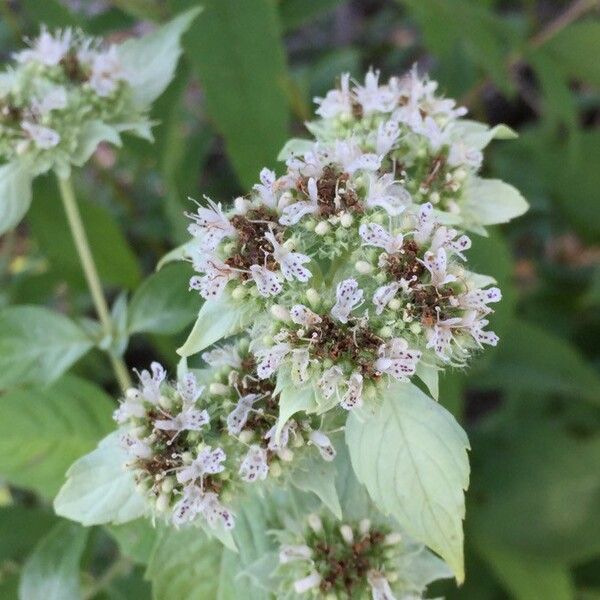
x: 412, y: 457
x: 37, y: 345
x: 15, y: 195
x: 150, y: 61
x: 60, y: 423
x: 52, y: 571
x: 494, y: 201
x: 99, y: 490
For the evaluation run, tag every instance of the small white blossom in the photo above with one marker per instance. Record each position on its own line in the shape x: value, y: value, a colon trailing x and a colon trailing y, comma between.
x: 271, y: 358
x: 387, y: 193
x: 43, y: 137
x: 47, y: 49
x: 189, y: 419
x: 254, y: 467
x: 224, y: 356
x: 352, y: 398
x: 330, y: 381
x: 289, y: 553
x: 337, y: 103
x: 216, y: 276
x: 267, y: 188
x: 348, y: 296
x: 151, y: 382
x: 106, y: 72
x: 301, y: 315
x: 267, y: 282
x: 324, y: 445
x: 380, y: 587
x: 289, y: 262
x: 397, y: 359
x: 210, y: 225
x: 236, y: 419
x: 209, y: 461
x: 373, y: 234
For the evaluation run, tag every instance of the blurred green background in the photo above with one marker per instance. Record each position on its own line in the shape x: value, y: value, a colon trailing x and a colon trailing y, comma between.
x: 245, y: 84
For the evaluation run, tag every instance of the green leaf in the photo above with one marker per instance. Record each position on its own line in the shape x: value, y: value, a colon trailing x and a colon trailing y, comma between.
x: 99, y: 490
x: 115, y: 260
x: 530, y: 358
x: 136, y: 539
x: 479, y: 135
x: 315, y: 475
x: 42, y: 431
x: 295, y: 13
x: 237, y: 52
x: 150, y: 61
x: 52, y: 571
x: 15, y: 195
x: 216, y: 320
x: 494, y: 201
x: 295, y: 147
x: 184, y: 564
x: 572, y: 48
x: 163, y: 303
x: 537, y: 490
x: 37, y: 345
x: 22, y: 527
x: 411, y: 455
x: 292, y: 399
x: 527, y: 578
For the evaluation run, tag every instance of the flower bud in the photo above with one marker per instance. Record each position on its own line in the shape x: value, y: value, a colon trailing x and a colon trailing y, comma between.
x: 391, y: 539
x: 322, y: 228
x: 313, y: 297
x: 162, y: 502
x: 246, y: 436
x: 280, y: 312
x: 346, y: 220
x: 315, y: 523
x: 363, y: 267
x: 347, y: 533
x: 241, y: 205
x: 395, y: 304
x: 239, y: 292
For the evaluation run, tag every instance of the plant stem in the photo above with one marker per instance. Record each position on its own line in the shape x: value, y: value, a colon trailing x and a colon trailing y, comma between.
x: 91, y: 275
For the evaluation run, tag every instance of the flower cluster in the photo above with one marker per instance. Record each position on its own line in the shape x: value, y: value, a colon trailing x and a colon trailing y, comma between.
x: 54, y: 90
x: 363, y: 273
x: 354, y: 560
x: 191, y: 446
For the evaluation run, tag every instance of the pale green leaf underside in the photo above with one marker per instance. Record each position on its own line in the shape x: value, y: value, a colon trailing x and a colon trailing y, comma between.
x: 150, y: 61
x: 37, y: 345
x: 15, y: 195
x: 217, y: 319
x: 92, y: 133
x: 99, y: 489
x: 494, y: 201
x: 411, y: 456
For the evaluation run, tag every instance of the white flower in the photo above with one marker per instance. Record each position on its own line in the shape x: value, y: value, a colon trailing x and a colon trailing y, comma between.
x: 225, y: 356
x: 289, y: 553
x: 47, y: 49
x: 425, y: 224
x: 236, y: 419
x: 474, y: 324
x: 373, y: 97
x: 209, y: 461
x: 214, y: 511
x: 376, y: 235
x: 136, y: 447
x: 189, y: 419
x: 301, y: 315
x: 324, y: 445
x: 352, y: 158
x: 437, y: 265
x: 330, y: 381
x: 267, y: 282
x: 151, y: 382
x: 52, y: 99
x: 210, y: 225
x: 305, y: 584
x: 294, y: 212
x: 188, y: 388
x: 387, y: 135
x: 439, y: 337
x: 290, y: 262
x: 131, y: 406
x: 190, y: 505
x: 106, y: 72
x: 461, y: 154
x: 43, y: 137
x: 444, y: 237
x: 384, y: 295
x: 380, y: 587
x: 337, y: 103
x: 348, y: 296
x: 254, y: 467
x: 266, y: 189
x: 352, y: 398
x: 387, y: 193
x: 300, y: 362
x: 397, y: 359
x: 479, y: 299
x: 284, y: 436
x: 271, y: 358
x: 216, y: 276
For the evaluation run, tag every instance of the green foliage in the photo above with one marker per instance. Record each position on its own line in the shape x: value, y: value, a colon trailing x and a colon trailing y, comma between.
x: 411, y: 456
x: 60, y: 422
x: 52, y: 570
x: 37, y: 345
x: 98, y: 490
x: 159, y: 306
x: 15, y: 191
x: 251, y: 29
